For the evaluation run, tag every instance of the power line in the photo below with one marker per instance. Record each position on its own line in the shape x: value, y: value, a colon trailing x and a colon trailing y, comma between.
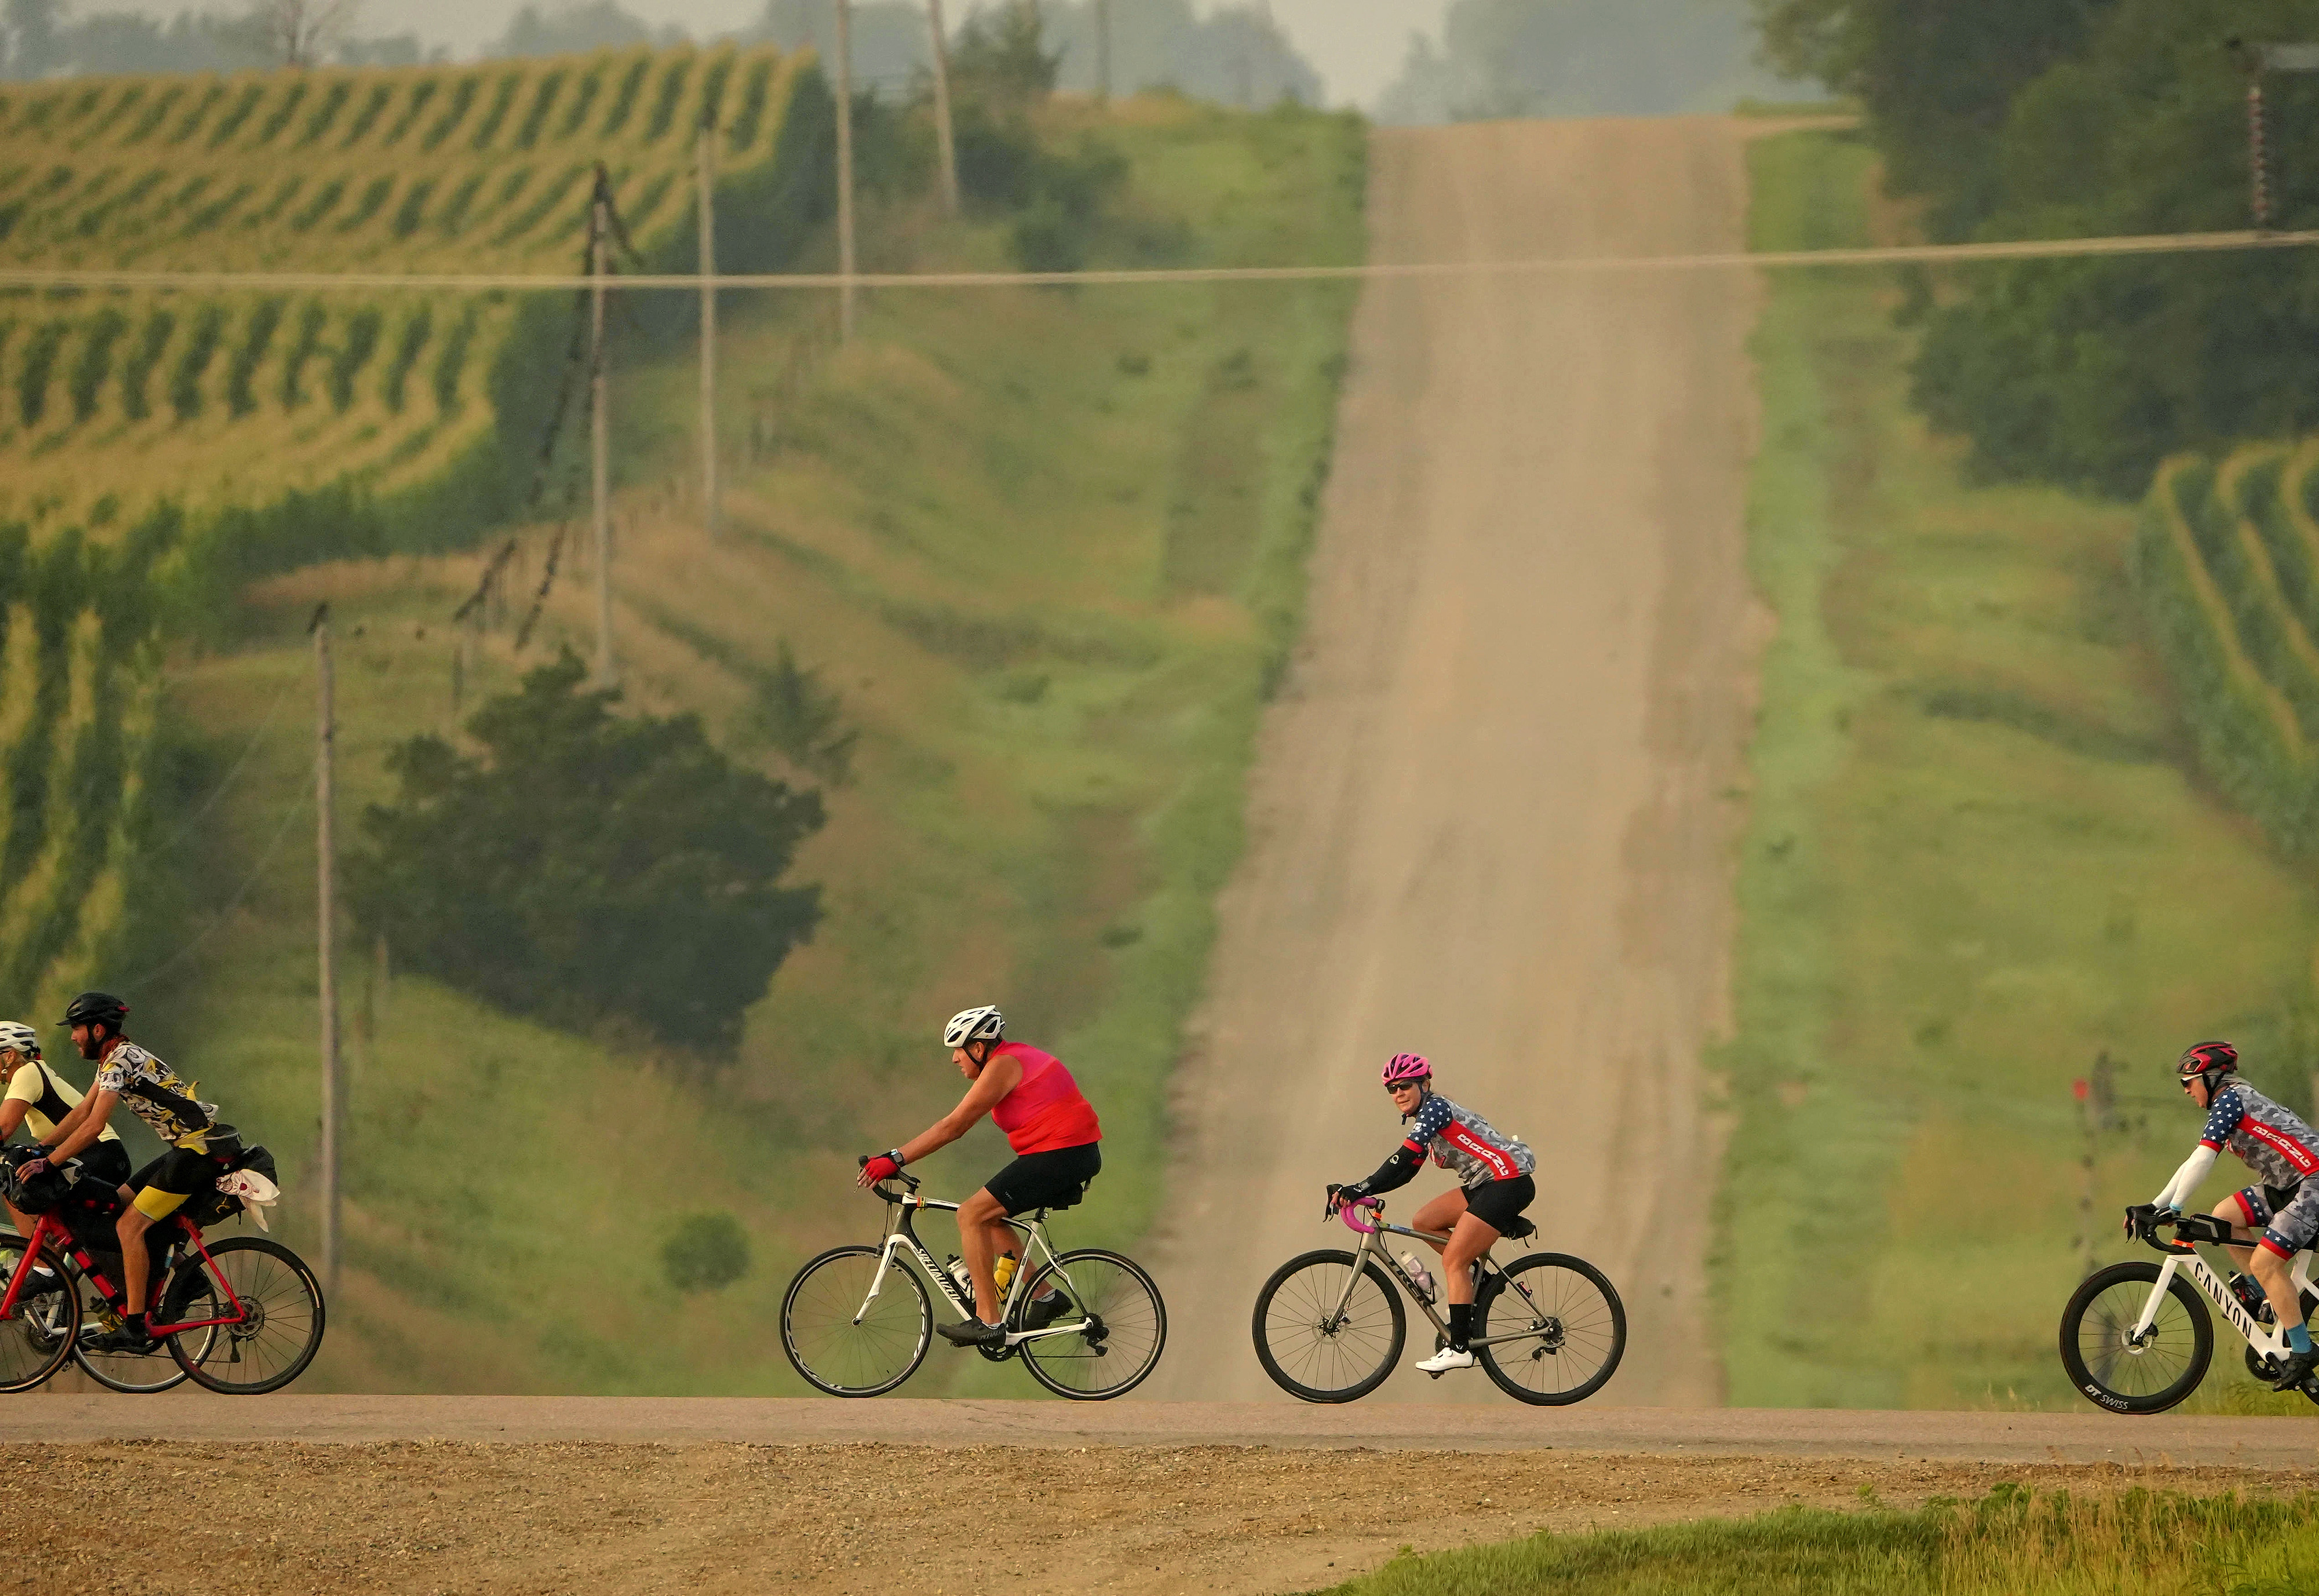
x: 1761, y: 260
x: 242, y: 895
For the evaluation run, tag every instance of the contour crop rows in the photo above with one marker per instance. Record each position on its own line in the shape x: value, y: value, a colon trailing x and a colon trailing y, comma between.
x: 2228, y: 562
x: 110, y: 403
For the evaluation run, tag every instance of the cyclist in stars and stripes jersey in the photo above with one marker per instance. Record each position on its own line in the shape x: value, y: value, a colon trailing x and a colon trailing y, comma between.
x: 1493, y: 1186
x: 2283, y: 1203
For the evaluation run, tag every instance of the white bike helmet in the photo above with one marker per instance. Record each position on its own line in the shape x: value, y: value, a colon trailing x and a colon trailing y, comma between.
x: 18, y: 1037
x: 985, y: 1024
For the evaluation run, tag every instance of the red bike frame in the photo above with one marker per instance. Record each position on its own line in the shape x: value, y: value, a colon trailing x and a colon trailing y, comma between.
x: 48, y: 1229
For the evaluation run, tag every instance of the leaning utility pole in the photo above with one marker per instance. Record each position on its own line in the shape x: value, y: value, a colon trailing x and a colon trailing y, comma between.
x: 945, y: 136
x: 599, y: 431
x: 707, y: 328
x: 325, y: 875
x: 845, y: 264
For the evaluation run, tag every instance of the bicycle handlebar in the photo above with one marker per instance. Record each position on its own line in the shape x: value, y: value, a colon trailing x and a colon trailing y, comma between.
x: 911, y: 1181
x: 2190, y: 1230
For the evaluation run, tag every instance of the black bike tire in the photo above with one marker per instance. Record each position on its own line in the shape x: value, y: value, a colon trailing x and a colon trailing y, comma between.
x: 2202, y: 1337
x: 925, y: 1323
x: 176, y: 1376
x: 297, y: 1366
x: 48, y: 1255
x: 1159, y: 1317
x: 1341, y: 1259
x: 1495, y: 1286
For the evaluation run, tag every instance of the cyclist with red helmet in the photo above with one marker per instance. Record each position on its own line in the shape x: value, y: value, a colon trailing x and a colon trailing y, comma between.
x: 1493, y: 1186
x: 1053, y: 1130
x: 2283, y: 1203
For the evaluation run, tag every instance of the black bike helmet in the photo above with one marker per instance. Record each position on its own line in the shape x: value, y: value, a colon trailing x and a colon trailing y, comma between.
x: 2206, y: 1061
x: 96, y: 1008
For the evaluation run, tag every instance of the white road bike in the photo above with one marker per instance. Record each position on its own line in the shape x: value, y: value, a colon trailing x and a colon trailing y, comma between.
x: 857, y: 1320
x: 2136, y: 1337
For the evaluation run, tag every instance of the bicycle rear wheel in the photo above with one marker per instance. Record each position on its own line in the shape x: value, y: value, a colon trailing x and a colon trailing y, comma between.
x: 840, y: 1341
x: 2113, y: 1371
x: 1321, y: 1359
x: 37, y: 1337
x: 278, y: 1332
x: 1123, y: 1326
x: 1572, y: 1325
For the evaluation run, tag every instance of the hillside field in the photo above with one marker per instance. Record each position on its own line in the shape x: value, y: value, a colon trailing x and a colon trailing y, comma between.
x: 1980, y: 860
x: 1044, y: 548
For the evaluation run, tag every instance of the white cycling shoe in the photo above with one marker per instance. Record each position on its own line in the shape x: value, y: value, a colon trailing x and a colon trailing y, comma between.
x: 1447, y: 1359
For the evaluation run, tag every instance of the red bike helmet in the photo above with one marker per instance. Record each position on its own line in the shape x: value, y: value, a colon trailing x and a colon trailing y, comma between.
x: 1407, y: 1066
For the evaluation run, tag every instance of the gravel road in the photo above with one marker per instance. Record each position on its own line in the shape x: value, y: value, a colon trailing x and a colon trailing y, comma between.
x: 363, y: 1496
x: 1490, y: 818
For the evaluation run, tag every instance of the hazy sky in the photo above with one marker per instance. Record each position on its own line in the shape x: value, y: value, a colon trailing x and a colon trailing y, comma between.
x: 1357, y: 44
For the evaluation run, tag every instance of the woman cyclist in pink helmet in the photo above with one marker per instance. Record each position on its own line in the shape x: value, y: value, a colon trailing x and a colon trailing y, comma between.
x: 1493, y: 1186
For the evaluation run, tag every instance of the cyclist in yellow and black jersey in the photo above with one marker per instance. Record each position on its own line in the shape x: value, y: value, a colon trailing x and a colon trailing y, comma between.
x: 199, y: 1148
x: 37, y: 1100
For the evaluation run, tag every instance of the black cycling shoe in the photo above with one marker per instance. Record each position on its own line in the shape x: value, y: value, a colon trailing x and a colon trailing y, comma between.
x: 119, y: 1340
x: 973, y: 1332
x: 2295, y: 1370
x: 2252, y: 1298
x: 1042, y: 1311
x: 39, y: 1284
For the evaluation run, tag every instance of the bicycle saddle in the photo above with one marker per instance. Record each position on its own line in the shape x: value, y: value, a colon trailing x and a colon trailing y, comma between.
x: 1521, y: 1230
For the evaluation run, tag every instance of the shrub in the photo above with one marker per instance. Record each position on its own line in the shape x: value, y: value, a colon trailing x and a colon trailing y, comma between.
x: 708, y: 1252
x: 587, y: 867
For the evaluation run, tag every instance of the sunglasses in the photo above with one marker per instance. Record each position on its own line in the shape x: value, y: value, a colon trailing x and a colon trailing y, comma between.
x: 1400, y: 1087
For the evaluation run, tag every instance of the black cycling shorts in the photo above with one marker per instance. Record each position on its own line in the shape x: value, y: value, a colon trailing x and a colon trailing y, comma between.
x: 1054, y: 1180
x: 162, y: 1185
x: 1497, y: 1204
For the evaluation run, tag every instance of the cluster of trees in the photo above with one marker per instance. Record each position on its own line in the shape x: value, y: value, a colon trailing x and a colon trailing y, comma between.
x: 1580, y: 57
x: 587, y: 867
x: 2041, y: 118
x: 1236, y: 54
x: 44, y: 39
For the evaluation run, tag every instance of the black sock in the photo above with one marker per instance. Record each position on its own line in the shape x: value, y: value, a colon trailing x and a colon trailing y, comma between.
x: 134, y: 1323
x: 1461, y: 1325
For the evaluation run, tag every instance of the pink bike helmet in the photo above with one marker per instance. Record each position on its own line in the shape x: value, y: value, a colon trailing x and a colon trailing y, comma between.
x: 1407, y: 1066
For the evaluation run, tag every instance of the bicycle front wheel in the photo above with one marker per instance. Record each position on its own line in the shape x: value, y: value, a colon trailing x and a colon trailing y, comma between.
x: 1569, y: 1326
x: 138, y: 1374
x: 37, y: 1337
x: 274, y: 1337
x: 1121, y: 1326
x: 2113, y: 1369
x: 1315, y: 1349
x: 843, y: 1340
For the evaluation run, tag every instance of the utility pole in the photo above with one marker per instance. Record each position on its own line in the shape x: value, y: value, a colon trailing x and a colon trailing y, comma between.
x: 845, y: 262
x: 325, y: 874
x: 945, y: 135
x: 708, y: 328
x: 2255, y: 60
x: 1103, y: 49
x: 600, y: 430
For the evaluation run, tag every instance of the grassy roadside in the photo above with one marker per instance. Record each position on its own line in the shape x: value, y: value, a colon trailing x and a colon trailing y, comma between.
x: 2008, y: 1543
x: 1044, y: 548
x: 1976, y: 861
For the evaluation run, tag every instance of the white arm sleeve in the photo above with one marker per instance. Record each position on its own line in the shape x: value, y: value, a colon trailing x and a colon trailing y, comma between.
x: 2186, y: 1179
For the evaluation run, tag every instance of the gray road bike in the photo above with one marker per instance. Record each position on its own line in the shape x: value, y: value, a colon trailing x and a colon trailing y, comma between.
x: 2136, y: 1337
x: 857, y: 1320
x: 1329, y: 1327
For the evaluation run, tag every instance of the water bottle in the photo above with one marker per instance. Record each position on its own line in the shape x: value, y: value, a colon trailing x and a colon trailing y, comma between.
x: 963, y: 1275
x: 1418, y: 1273
x: 1002, y: 1273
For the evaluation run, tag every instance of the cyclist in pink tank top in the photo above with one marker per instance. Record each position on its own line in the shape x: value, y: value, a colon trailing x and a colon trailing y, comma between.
x: 1051, y: 1125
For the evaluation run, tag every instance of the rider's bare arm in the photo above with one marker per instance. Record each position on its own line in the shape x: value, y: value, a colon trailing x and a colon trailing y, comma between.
x: 12, y: 1115
x: 82, y: 1125
x: 999, y: 1077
